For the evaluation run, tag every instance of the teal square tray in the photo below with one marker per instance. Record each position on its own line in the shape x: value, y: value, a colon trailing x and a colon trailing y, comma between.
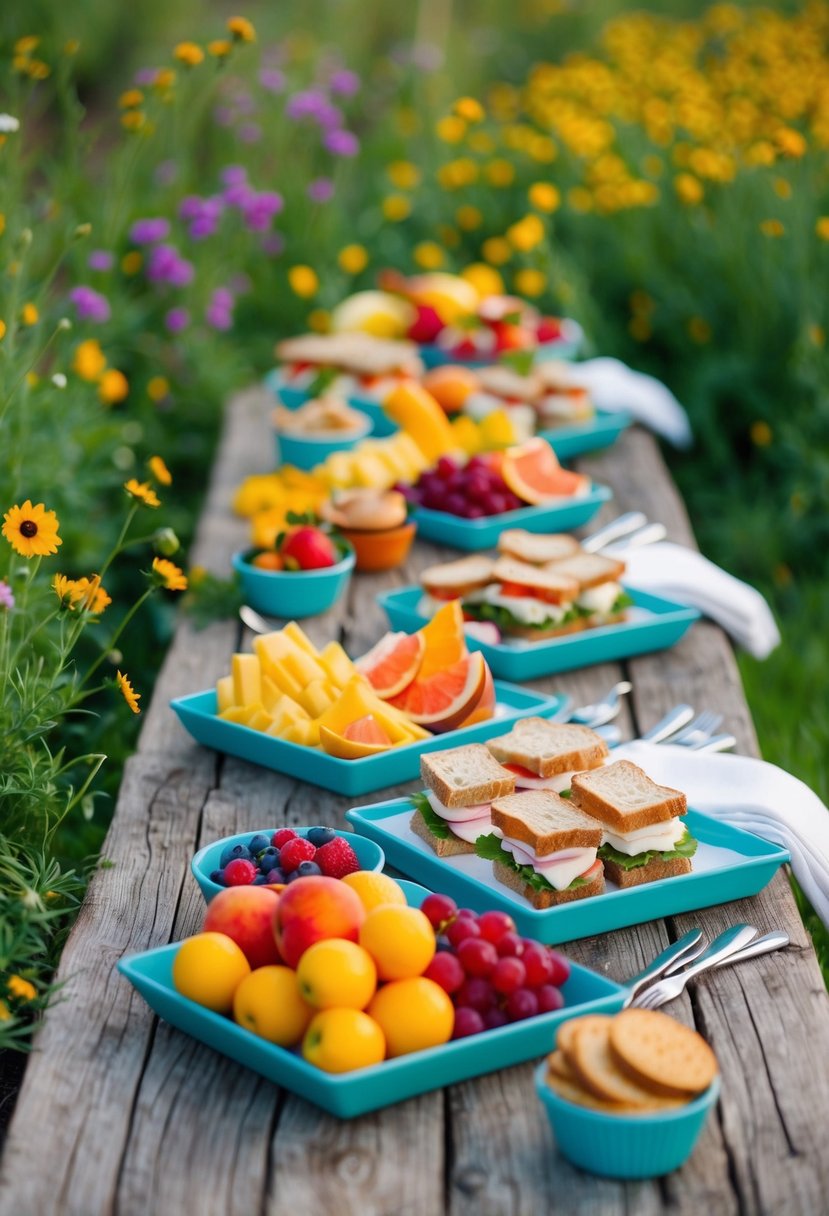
x: 197, y: 713
x: 600, y: 431
x: 655, y: 624
x: 729, y: 864
x: 559, y: 515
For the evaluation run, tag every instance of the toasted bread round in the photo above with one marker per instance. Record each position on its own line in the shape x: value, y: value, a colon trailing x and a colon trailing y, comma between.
x: 572, y: 1091
x: 557, y: 1063
x: 548, y: 898
x: 595, y: 1068
x: 452, y: 846
x: 661, y: 1054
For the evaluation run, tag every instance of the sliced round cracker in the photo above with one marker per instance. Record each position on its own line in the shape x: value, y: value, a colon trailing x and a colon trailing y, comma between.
x: 595, y: 1068
x: 568, y: 1030
x: 557, y: 1063
x: 661, y: 1054
x: 571, y: 1091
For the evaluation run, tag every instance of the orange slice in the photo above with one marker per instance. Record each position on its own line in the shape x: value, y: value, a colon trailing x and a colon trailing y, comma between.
x: 345, y: 748
x: 393, y: 663
x: 417, y: 412
x: 533, y: 473
x: 366, y: 730
x: 444, y: 638
x: 445, y: 700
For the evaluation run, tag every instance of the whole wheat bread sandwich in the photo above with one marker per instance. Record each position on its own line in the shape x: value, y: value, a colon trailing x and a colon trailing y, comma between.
x: 544, y: 755
x: 543, y: 848
x: 645, y: 837
x: 453, y: 810
x: 537, y: 548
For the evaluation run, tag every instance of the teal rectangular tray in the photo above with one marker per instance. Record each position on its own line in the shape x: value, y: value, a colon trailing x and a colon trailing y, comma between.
x: 655, y: 625
x: 599, y: 432
x: 559, y: 515
x: 350, y: 1094
x: 197, y: 713
x: 729, y: 864
x: 566, y: 347
x: 293, y: 398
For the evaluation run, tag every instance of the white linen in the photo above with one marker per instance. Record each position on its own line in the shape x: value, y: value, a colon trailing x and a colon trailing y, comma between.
x: 617, y: 388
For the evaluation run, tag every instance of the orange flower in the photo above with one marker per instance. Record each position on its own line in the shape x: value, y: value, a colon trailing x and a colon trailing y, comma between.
x: 160, y: 471
x: 143, y: 492
x: 169, y: 575
x: 130, y: 695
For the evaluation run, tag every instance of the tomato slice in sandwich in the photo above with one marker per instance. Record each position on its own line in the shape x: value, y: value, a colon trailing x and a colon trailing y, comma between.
x: 519, y: 591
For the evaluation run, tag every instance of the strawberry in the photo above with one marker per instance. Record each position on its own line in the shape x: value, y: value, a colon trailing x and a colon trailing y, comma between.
x: 337, y: 858
x: 295, y: 851
x: 282, y: 836
x: 307, y: 548
x: 511, y: 337
x: 426, y: 326
x: 549, y: 329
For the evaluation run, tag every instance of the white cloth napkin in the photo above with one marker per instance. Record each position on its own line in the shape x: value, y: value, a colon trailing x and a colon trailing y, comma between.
x: 689, y: 578
x: 753, y: 795
x: 615, y: 387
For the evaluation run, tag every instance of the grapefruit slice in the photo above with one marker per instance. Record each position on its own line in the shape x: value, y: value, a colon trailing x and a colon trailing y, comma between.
x: 446, y: 699
x: 393, y: 663
x: 363, y: 737
x: 484, y: 708
x: 444, y: 640
x: 533, y: 473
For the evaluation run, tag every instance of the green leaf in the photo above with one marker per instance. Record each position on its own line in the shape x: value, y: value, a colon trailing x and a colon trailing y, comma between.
x: 437, y: 826
x: 489, y: 847
x: 684, y: 847
x: 521, y: 361
x: 504, y: 619
x: 622, y: 601
x: 324, y: 378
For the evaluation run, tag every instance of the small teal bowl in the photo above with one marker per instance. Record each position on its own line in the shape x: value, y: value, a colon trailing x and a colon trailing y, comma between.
x: 307, y: 451
x: 291, y: 594
x: 369, y: 855
x: 625, y: 1146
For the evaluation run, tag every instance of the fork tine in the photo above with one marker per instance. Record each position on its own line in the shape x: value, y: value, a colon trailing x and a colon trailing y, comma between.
x: 646, y: 1000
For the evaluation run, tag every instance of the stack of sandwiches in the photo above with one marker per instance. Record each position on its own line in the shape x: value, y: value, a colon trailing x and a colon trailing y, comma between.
x: 350, y: 364
x: 544, y: 755
x: 549, y: 395
x: 538, y: 587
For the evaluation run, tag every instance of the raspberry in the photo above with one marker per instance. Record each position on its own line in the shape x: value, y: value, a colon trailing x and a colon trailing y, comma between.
x: 337, y: 858
x: 295, y: 851
x: 239, y: 873
x: 282, y: 836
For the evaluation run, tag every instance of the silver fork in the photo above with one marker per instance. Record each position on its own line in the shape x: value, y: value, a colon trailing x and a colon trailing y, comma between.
x: 776, y: 940
x: 604, y: 710
x: 699, y: 731
x: 721, y: 948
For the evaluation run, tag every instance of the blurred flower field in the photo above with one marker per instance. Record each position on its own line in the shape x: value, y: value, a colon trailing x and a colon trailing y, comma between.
x: 171, y: 205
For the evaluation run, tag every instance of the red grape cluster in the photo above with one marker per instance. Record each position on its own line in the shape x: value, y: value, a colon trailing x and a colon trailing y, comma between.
x: 471, y: 490
x: 492, y: 975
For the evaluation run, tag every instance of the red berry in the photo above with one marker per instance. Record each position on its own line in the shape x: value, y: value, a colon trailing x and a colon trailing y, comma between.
x: 446, y: 971
x: 240, y: 873
x: 493, y: 1018
x: 438, y: 909
x: 510, y: 945
x: 460, y: 929
x: 521, y: 1004
x: 293, y: 852
x: 476, y: 956
x: 561, y: 968
x: 337, y: 858
x: 282, y: 837
x: 549, y: 998
x: 509, y: 974
x: 467, y: 1021
x: 539, y: 965
x: 477, y: 993
x: 494, y: 925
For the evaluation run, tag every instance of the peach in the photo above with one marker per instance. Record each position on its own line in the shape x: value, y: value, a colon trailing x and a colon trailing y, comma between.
x: 245, y: 914
x: 312, y: 909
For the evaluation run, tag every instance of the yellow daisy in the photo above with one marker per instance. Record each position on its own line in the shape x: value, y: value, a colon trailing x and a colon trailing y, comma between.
x: 22, y: 989
x: 130, y: 695
x: 241, y: 29
x: 32, y: 531
x: 64, y: 589
x: 189, y: 53
x: 90, y: 595
x: 143, y: 492
x: 160, y: 471
x: 169, y: 575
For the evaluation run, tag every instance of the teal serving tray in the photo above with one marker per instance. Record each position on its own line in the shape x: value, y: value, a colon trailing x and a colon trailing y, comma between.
x: 655, y: 624
x: 198, y: 715
x: 354, y: 1093
x: 558, y: 515
x: 600, y: 431
x: 293, y: 398
x: 566, y: 347
x: 729, y: 864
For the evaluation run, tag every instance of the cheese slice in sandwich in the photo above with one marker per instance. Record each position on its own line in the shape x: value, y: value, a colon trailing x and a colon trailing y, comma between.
x: 543, y: 848
x: 600, y: 596
x: 537, y: 548
x: 544, y: 755
x: 525, y: 601
x: 644, y: 835
x: 453, y: 810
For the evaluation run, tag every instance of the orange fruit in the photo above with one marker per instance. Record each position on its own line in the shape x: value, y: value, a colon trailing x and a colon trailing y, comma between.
x: 336, y: 974
x: 443, y: 701
x: 399, y: 939
x: 208, y: 968
x: 269, y: 1003
x: 413, y: 1014
x: 444, y: 638
x: 450, y: 386
x: 484, y: 708
x: 533, y: 473
x: 374, y: 889
x: 267, y: 561
x: 339, y: 1040
x: 416, y: 411
x: 353, y: 749
x: 366, y: 730
x: 393, y: 663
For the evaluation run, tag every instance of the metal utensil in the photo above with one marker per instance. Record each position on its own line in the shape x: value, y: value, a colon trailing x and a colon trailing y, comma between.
x: 604, y: 710
x: 721, y: 948
x: 776, y: 940
x: 699, y: 731
x: 616, y: 529
x: 254, y: 621
x: 716, y: 743
x: 610, y: 733
x: 648, y: 535
x: 680, y: 952
x: 673, y: 721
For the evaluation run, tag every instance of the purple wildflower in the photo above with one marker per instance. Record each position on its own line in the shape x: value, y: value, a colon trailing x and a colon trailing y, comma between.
x: 320, y: 190
x: 220, y: 308
x: 344, y: 82
x: 260, y: 209
x: 166, y: 265
x: 240, y: 195
x: 147, y: 232
x: 190, y: 207
x: 177, y: 319
x: 272, y: 80
x: 6, y: 595
x: 250, y: 132
x: 100, y: 259
x: 145, y: 76
x: 342, y: 143
x: 90, y: 305
x: 313, y: 104
x: 234, y: 175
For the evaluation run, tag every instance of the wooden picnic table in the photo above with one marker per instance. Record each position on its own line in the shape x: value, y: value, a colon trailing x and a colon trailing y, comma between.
x: 120, y: 1113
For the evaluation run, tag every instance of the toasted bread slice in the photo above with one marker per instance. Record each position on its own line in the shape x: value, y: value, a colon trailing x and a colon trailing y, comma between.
x: 651, y: 872
x: 555, y: 588
x: 547, y: 748
x: 547, y: 898
x: 588, y: 569
x: 461, y: 577
x: 360, y: 353
x: 504, y: 381
x: 623, y: 796
x: 465, y: 776
x: 451, y: 846
x: 537, y: 548
x: 545, y: 821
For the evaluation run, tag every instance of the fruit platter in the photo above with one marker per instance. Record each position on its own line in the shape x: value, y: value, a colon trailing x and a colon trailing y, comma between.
x: 356, y: 993
x: 356, y: 726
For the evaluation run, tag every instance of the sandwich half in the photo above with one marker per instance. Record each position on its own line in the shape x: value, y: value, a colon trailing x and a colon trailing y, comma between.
x: 544, y: 755
x: 526, y: 601
x: 454, y: 809
x: 644, y: 835
x: 601, y: 598
x: 454, y: 581
x: 543, y: 848
x: 537, y: 548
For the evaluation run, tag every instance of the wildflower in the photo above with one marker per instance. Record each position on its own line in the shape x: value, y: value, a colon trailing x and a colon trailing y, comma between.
x: 148, y: 231
x: 26, y: 44
x: 353, y: 258
x: 132, y: 262
x: 396, y: 207
x: 189, y: 53
x: 450, y: 129
x: 303, y: 281
x: 344, y: 82
x: 38, y: 70
x: 485, y: 280
x: 22, y: 989
x: 219, y: 311
x: 6, y: 595
x: 219, y: 48
x: 163, y: 80
x: 29, y: 314
x: 782, y: 188
x: 500, y: 172
x: 497, y: 250
x: 5, y: 1012
x: 88, y: 594
x: 176, y: 320
x: 403, y: 174
x: 130, y: 99
x: 166, y: 265
x: 822, y: 227
x: 790, y: 142
x: 580, y: 199
x: 428, y: 255
x: 130, y: 695
x: 772, y: 228
x: 133, y: 120
x: 142, y: 492
x: 100, y: 259
x: 89, y: 361
x: 63, y: 588
x: 158, y: 388
x: 320, y: 190
x: 544, y: 196
x: 342, y: 143
x: 272, y: 80
x: 761, y: 434
x: 169, y: 575
x: 113, y: 386
x: 90, y: 305
x: 469, y: 109
x: 157, y: 466
x: 32, y: 531
x: 2, y: 330
x: 526, y: 233
x: 469, y: 218
x: 9, y: 124
x: 529, y: 282
x: 241, y: 29
x: 688, y: 188
x: 2, y: 223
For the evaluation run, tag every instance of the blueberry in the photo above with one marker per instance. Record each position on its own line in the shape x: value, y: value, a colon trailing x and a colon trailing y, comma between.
x: 320, y: 836
x: 258, y: 843
x: 306, y: 868
x: 293, y: 875
x: 233, y: 852
x: 259, y: 880
x: 275, y: 875
x: 268, y: 858
x: 218, y: 877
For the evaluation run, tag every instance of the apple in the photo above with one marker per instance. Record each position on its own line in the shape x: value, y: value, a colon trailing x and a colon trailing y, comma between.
x: 308, y: 548
x: 312, y: 909
x: 245, y: 914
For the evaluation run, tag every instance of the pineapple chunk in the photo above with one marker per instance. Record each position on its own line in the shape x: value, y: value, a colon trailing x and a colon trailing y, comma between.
x: 410, y: 451
x: 301, y: 666
x: 261, y: 720
x: 337, y: 664
x: 305, y: 733
x: 339, y: 470
x: 287, y: 684
x: 315, y: 698
x: 247, y: 679
x: 242, y: 715
x: 271, y: 648
x: 224, y: 693
x: 291, y: 709
x: 300, y: 638
x: 369, y: 471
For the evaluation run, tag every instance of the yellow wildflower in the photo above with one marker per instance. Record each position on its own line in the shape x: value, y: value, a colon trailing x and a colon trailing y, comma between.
x: 32, y: 378
x: 169, y: 575
x: 781, y: 187
x: 90, y: 595
x: 89, y: 361
x: 544, y: 196
x: 26, y: 44
x: 158, y: 387
x: 22, y: 989
x: 303, y: 281
x: 761, y: 153
x: 688, y: 188
x: 353, y: 258
x: 38, y: 70
x: 71, y: 46
x: 113, y: 386
x: 319, y: 320
x: 132, y: 262
x: 133, y: 120
x: 241, y: 29
x: 542, y: 149
x: 5, y: 1012
x: 63, y: 588
x: 497, y: 250
x: 2, y: 330
x: 219, y: 48
x: 500, y: 172
x: 822, y: 227
x: 29, y: 314
x: 428, y: 255
x: 529, y: 282
x: 790, y: 142
x: 451, y: 129
x: 130, y: 99
x: 403, y: 174
x: 485, y: 280
x: 189, y: 53
x: 761, y: 434
x: 2, y: 223
x: 580, y: 199
x: 773, y: 228
x: 160, y: 471
x: 32, y: 531
x: 526, y: 233
x: 469, y: 109
x: 396, y: 207
x: 142, y: 492
x: 165, y: 78
x: 469, y: 218
x: 130, y: 695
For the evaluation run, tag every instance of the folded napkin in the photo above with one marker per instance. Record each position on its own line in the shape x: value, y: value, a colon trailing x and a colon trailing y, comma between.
x: 615, y: 387
x: 689, y: 578
x: 753, y: 795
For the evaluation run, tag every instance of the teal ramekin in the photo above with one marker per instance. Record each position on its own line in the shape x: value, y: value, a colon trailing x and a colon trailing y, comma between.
x: 291, y: 594
x: 307, y: 451
x: 630, y: 1145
